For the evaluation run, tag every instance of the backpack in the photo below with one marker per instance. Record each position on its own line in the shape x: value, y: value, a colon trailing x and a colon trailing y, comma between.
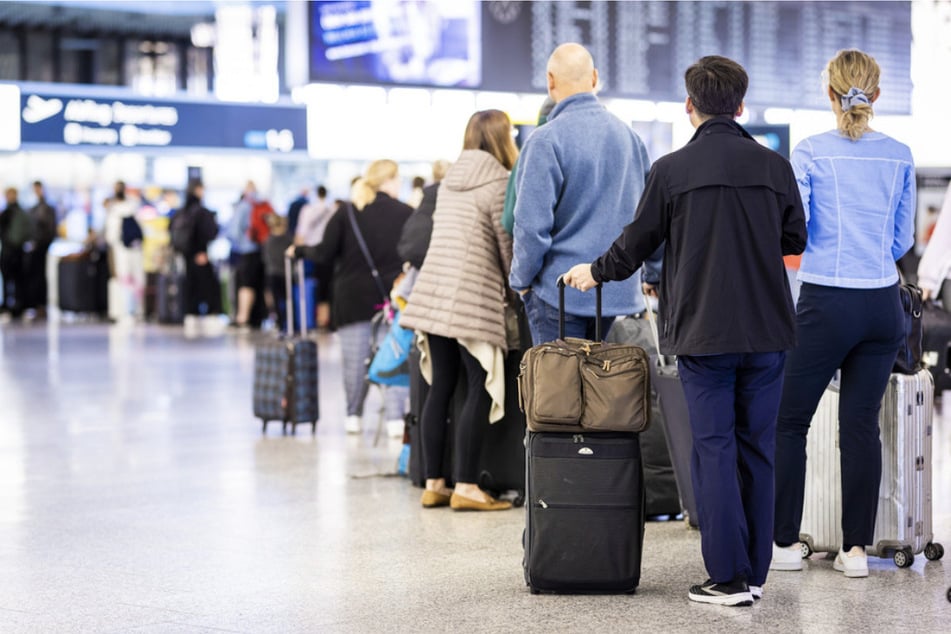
x: 131, y: 231
x: 258, y: 230
x: 182, y: 230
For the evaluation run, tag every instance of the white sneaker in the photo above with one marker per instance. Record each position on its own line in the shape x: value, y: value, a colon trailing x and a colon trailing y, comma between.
x: 353, y: 424
x: 191, y: 326
x: 757, y: 592
x: 852, y: 564
x: 212, y: 326
x: 789, y: 558
x: 394, y: 428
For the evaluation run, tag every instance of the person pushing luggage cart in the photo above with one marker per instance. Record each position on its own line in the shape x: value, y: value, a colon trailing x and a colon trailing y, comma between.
x: 729, y: 210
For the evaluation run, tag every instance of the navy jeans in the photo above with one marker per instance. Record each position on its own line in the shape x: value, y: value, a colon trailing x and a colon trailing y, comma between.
x: 857, y: 331
x: 732, y: 400
x: 543, y: 322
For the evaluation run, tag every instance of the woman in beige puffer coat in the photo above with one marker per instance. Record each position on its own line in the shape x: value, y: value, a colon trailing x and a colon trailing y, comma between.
x: 458, y: 304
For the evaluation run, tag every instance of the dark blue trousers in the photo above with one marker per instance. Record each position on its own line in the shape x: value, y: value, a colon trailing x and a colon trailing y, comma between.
x: 857, y: 331
x: 543, y: 322
x: 733, y: 400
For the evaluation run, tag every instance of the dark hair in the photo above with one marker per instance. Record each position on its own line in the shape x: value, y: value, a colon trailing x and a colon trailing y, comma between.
x: 716, y: 85
x: 37, y: 183
x: 418, y: 181
x: 119, y: 190
x: 193, y: 185
x: 321, y: 191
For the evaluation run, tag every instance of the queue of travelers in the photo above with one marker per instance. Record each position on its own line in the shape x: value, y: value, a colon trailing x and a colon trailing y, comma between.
x: 582, y: 200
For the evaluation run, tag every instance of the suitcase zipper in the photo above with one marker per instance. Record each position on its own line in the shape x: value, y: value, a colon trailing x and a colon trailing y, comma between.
x: 542, y: 504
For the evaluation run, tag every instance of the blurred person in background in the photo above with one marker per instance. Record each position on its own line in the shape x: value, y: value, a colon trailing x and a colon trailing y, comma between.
x: 274, y: 251
x: 934, y: 269
x: 126, y: 259
x: 202, y: 288
x: 416, y: 196
x: 15, y: 233
x: 43, y: 219
x: 294, y: 209
x: 249, y: 269
x: 310, y: 231
x: 379, y: 217
x: 458, y: 302
x: 419, y: 228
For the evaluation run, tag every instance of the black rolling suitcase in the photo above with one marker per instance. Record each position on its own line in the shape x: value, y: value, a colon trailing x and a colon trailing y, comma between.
x: 584, y: 501
x: 665, y: 379
x: 170, y: 298
x: 662, y: 497
x: 584, y: 528
x: 936, y: 343
x: 83, y: 283
x: 285, y: 374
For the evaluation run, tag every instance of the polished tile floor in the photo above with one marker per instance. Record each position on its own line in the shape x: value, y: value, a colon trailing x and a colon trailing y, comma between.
x: 138, y: 494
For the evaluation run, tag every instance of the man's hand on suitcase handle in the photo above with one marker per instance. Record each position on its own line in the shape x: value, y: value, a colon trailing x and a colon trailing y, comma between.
x: 579, y: 276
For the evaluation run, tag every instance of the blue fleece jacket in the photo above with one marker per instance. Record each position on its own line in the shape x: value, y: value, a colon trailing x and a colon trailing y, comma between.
x: 579, y: 179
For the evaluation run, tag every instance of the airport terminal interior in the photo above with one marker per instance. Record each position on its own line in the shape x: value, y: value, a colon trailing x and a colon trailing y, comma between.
x: 138, y: 491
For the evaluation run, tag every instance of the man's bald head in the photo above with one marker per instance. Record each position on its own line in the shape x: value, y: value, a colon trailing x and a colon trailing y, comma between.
x: 571, y: 71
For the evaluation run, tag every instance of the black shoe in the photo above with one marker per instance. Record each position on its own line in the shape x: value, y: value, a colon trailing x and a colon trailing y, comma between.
x: 733, y: 593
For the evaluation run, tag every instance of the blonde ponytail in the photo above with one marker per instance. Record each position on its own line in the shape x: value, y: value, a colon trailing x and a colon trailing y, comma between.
x: 365, y: 188
x: 853, y: 77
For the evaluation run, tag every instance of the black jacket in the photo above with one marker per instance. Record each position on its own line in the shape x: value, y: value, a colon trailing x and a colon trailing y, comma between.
x: 355, y: 293
x: 414, y: 241
x: 729, y: 209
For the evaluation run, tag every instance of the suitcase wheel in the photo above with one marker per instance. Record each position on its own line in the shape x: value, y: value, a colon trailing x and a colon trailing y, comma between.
x: 263, y: 425
x: 904, y: 558
x: 313, y: 427
x: 519, y: 500
x: 934, y: 552
x: 806, y: 550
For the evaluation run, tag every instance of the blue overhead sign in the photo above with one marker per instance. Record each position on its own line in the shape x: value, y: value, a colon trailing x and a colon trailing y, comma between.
x: 117, y: 122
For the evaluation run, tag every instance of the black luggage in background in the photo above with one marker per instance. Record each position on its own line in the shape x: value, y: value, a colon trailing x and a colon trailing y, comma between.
x: 418, y: 389
x: 285, y: 376
x: 170, y: 298
x: 584, y: 527
x: 83, y: 283
x: 662, y: 497
x: 935, y: 344
x: 502, y: 461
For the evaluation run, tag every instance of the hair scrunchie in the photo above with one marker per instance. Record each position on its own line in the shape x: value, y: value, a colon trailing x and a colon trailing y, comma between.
x: 853, y: 97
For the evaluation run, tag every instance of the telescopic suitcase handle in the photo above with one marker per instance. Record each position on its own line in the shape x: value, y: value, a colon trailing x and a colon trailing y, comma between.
x: 561, y: 310
x: 289, y: 286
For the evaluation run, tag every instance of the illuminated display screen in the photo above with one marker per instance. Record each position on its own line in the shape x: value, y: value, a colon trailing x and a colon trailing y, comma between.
x: 424, y: 43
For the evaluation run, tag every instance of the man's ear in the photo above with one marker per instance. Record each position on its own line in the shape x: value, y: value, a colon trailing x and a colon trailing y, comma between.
x: 594, y: 79
x: 739, y: 111
x: 551, y: 82
x: 688, y: 106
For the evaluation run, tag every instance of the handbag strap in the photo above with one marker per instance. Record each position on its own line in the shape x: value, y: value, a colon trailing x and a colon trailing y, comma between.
x: 366, y: 253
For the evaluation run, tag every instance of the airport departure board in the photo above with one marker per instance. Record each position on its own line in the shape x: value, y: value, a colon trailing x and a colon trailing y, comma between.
x: 643, y: 48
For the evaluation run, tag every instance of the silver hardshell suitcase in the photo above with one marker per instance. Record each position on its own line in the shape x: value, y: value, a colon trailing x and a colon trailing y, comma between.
x: 903, y: 525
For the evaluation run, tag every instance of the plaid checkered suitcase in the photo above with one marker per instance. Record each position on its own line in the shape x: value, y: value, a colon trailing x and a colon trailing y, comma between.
x: 285, y: 373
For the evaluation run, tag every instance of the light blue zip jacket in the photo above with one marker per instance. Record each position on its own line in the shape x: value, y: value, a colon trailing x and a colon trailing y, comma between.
x: 578, y: 182
x: 859, y: 199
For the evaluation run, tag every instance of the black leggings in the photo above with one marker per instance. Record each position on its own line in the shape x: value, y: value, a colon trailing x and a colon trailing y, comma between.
x: 470, y: 422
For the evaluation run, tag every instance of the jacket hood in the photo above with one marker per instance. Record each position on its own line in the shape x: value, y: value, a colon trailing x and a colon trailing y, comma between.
x: 473, y: 169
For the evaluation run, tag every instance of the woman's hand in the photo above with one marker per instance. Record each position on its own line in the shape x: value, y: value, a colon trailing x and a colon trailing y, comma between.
x: 291, y: 252
x: 579, y: 276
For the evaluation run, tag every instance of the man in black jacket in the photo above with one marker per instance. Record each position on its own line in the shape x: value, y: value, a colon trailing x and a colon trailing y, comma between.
x: 728, y: 209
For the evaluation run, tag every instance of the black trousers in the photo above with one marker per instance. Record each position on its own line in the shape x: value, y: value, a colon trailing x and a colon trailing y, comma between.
x: 14, y: 282
x: 448, y: 359
x: 202, y: 289
x: 857, y: 331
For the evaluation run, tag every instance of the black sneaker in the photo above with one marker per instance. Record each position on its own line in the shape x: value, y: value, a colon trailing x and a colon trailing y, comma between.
x: 733, y: 593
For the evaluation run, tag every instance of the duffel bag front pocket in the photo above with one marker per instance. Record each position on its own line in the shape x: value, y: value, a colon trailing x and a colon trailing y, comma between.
x: 616, y: 388
x: 554, y: 387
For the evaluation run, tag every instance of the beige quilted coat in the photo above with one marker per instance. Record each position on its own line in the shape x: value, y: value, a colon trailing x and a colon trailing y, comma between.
x: 460, y: 291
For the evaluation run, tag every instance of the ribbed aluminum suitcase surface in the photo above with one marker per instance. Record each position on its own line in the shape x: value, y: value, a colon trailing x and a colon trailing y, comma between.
x: 903, y: 519
x: 821, y: 526
x: 904, y: 502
